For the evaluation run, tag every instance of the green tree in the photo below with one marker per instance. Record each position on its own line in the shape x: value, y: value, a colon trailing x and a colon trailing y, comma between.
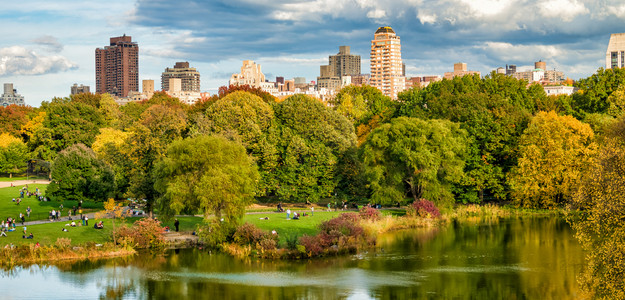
x: 112, y: 147
x: 159, y: 125
x: 364, y: 106
x: 13, y: 154
x: 595, y: 90
x: 307, y: 140
x: 553, y: 154
x: 414, y: 157
x: 206, y: 174
x: 599, y: 225
x: 71, y: 122
x: 77, y: 174
x: 242, y: 114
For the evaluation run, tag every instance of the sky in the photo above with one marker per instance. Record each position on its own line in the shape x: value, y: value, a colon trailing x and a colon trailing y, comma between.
x: 48, y: 45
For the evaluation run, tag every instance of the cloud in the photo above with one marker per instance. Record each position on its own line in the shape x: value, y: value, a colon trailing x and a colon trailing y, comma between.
x: 564, y: 9
x: 17, y: 60
x: 50, y: 43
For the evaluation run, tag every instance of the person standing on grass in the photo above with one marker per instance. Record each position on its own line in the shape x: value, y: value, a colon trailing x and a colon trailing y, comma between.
x: 288, y: 213
x: 28, y: 212
x: 86, y: 220
x: 312, y: 210
x: 23, y: 219
x: 176, y: 224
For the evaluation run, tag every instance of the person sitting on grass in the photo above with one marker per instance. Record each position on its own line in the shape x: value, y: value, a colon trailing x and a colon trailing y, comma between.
x: 295, y: 216
x: 72, y: 224
x: 64, y: 229
x: 29, y: 236
x: 99, y: 225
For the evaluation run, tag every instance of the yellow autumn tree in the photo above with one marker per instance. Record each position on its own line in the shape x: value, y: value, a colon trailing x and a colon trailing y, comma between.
x: 113, y: 211
x: 554, y: 151
x: 599, y: 224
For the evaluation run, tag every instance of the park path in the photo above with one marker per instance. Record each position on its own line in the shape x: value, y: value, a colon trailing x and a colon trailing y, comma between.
x: 4, y: 184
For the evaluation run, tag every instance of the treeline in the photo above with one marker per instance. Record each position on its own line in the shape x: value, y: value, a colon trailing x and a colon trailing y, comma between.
x: 469, y: 139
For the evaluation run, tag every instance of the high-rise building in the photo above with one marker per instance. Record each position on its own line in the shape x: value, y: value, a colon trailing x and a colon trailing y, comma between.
x: 79, y: 89
x: 615, y: 56
x: 117, y: 67
x: 189, y: 77
x: 386, y: 63
x: 250, y: 75
x: 148, y: 88
x: 10, y: 96
x: 344, y: 63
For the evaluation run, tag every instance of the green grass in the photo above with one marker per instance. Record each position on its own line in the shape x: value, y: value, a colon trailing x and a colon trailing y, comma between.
x: 278, y: 222
x: 46, y: 234
x: 40, y: 209
x: 24, y: 177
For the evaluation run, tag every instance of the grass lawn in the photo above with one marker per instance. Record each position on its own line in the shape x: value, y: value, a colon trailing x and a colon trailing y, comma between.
x: 278, y: 222
x: 46, y: 234
x: 39, y: 209
x: 15, y: 178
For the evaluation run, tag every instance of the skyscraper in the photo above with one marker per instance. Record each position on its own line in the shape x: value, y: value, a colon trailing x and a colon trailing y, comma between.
x: 117, y: 67
x: 386, y: 64
x: 344, y: 63
x: 615, y: 55
x: 189, y: 77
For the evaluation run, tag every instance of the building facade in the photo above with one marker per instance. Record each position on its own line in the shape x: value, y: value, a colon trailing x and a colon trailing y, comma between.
x: 344, y: 63
x: 386, y: 63
x: 190, y: 77
x: 540, y: 74
x: 117, y: 67
x: 79, y: 89
x: 460, y: 69
x: 10, y: 96
x: 615, y: 55
x: 250, y: 75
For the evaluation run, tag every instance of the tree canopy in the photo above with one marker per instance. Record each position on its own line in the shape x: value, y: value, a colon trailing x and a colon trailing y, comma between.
x: 206, y: 174
x: 414, y: 157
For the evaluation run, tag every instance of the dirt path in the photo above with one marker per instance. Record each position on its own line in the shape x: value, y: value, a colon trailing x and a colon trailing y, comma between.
x: 4, y: 184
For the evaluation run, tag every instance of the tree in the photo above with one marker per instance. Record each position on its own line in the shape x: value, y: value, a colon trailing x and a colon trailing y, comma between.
x: 71, y: 122
x: 13, y: 154
x: 111, y: 146
x: 553, y: 154
x: 158, y: 126
x: 599, y: 225
x: 206, y: 174
x: 113, y: 211
x: 423, y: 155
x: 267, y: 97
x: 241, y: 113
x: 307, y: 140
x: 13, y: 117
x: 594, y: 91
x: 78, y: 174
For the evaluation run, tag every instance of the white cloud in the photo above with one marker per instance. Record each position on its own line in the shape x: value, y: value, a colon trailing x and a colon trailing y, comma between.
x: 519, y: 52
x: 17, y: 60
x: 376, y: 14
x: 487, y: 7
x: 426, y: 17
x: 564, y: 9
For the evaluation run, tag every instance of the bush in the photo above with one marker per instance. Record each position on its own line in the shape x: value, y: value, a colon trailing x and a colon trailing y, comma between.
x: 424, y: 209
x: 145, y: 233
x: 215, y: 232
x: 312, y: 244
x: 248, y: 234
x: 369, y: 213
x: 291, y: 241
x: 268, y: 243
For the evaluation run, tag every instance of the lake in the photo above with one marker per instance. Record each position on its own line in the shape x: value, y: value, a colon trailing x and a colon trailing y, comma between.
x: 512, y: 258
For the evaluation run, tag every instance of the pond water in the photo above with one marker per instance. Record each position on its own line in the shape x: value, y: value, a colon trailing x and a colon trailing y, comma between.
x: 515, y: 258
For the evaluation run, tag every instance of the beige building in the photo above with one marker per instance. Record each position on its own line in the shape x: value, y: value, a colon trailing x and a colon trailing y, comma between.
x: 327, y: 79
x: 615, y: 55
x: 175, y: 90
x: 189, y: 77
x: 148, y: 87
x: 386, y: 64
x: 460, y: 69
x: 540, y: 74
x: 250, y: 75
x: 344, y: 63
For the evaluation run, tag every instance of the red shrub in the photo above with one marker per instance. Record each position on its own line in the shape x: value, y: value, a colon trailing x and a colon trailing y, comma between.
x: 248, y: 234
x: 423, y: 208
x: 145, y: 232
x: 313, y: 244
x: 369, y: 213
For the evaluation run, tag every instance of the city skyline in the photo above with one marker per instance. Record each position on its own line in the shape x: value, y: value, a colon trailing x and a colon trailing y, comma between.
x: 53, y: 48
